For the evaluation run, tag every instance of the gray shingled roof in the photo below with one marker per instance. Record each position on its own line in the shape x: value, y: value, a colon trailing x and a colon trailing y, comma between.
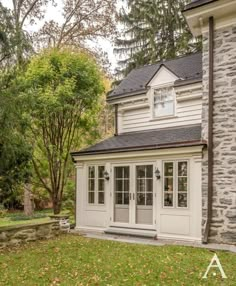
x: 186, y: 68
x: 147, y: 140
x: 197, y: 3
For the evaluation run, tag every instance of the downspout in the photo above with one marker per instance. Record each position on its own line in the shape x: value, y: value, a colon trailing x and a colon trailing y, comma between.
x: 116, y: 119
x: 210, y: 131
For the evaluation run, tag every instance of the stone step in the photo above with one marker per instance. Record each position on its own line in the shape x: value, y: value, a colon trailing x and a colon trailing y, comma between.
x: 146, y: 233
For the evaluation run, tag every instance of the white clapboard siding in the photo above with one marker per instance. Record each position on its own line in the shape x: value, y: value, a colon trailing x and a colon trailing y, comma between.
x: 187, y: 113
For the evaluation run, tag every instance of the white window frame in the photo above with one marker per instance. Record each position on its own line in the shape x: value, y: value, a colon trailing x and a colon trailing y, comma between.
x: 162, y: 87
x: 96, y: 186
x: 175, y: 184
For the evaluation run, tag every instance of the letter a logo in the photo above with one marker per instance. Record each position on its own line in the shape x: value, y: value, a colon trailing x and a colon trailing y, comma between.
x: 217, y: 264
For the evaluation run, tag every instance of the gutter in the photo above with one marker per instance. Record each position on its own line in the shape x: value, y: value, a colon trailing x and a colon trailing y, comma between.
x: 210, y: 131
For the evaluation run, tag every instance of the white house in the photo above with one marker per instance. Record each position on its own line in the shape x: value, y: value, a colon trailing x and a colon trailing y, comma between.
x: 158, y: 176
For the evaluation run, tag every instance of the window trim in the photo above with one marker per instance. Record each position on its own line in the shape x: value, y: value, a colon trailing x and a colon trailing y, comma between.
x: 161, y: 117
x: 175, y: 184
x: 96, y: 186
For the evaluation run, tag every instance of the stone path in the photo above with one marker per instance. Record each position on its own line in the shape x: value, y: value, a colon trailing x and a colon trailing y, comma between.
x: 159, y: 242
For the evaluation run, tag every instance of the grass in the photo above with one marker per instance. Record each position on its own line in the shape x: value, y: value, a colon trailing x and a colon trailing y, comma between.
x: 18, y: 218
x: 75, y: 260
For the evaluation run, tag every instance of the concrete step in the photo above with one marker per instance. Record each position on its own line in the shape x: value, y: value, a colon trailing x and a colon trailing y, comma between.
x: 146, y: 233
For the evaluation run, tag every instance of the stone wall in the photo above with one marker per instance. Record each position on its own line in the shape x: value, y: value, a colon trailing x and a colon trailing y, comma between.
x: 20, y: 234
x: 223, y: 226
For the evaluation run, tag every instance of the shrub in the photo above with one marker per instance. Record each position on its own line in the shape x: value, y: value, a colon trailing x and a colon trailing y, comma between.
x: 3, y: 211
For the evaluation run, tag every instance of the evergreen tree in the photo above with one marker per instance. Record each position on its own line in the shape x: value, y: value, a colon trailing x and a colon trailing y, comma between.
x: 153, y: 30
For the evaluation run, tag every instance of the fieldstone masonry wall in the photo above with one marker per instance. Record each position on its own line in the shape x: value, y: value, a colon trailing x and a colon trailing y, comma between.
x: 223, y: 226
x: 15, y: 235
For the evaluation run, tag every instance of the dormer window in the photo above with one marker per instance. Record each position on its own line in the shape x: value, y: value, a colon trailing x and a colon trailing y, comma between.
x: 163, y: 102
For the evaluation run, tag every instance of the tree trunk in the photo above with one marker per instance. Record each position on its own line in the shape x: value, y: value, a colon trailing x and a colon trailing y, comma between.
x: 56, y: 206
x: 28, y: 200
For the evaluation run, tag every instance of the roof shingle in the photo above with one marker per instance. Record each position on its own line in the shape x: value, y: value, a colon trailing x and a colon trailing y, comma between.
x: 186, y: 68
x: 147, y: 140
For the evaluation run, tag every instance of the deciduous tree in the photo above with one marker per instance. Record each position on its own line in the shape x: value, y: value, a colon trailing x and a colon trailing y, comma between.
x: 63, y: 89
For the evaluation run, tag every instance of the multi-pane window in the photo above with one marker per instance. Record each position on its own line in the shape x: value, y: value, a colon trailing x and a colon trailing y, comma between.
x: 122, y: 185
x: 164, y: 102
x: 176, y: 184
x: 144, y: 181
x: 96, y: 185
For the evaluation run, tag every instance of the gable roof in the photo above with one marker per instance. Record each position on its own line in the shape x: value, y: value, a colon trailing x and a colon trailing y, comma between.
x: 197, y: 3
x: 147, y: 140
x: 186, y: 68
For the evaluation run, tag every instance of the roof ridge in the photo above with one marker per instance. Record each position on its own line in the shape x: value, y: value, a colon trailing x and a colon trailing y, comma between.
x: 169, y: 60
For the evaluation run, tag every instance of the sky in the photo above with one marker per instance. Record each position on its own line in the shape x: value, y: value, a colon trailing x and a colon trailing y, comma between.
x: 105, y: 45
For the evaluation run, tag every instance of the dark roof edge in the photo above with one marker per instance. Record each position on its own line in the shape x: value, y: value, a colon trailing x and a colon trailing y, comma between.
x: 194, y: 5
x: 143, y: 148
x: 187, y: 82
x: 125, y: 94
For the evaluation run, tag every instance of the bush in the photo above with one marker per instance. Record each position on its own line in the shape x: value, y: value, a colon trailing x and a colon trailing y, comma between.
x: 3, y: 211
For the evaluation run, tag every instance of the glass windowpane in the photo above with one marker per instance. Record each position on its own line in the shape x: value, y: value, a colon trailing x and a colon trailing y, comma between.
x: 92, y: 185
x: 168, y: 185
x: 149, y: 185
x: 118, y: 198
x: 182, y: 200
x: 101, y: 170
x: 182, y: 184
x: 126, y: 198
x: 149, y: 199
x: 91, y: 172
x: 169, y: 169
x: 101, y: 185
x: 101, y: 197
x: 91, y: 198
x: 168, y: 200
x: 141, y: 199
x: 182, y: 169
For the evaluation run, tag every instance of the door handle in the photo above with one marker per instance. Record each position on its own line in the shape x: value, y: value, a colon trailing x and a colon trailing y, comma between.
x: 133, y: 196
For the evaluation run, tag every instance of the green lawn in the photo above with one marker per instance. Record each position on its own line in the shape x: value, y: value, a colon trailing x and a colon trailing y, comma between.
x: 75, y: 260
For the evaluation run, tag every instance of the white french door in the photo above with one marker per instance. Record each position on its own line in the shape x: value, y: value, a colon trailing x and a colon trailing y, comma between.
x: 133, y: 195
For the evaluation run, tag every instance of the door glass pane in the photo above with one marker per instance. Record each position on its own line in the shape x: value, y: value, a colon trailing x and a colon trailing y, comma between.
x: 91, y: 198
x: 149, y: 201
x: 101, y: 185
x: 140, y: 171
x: 101, y: 170
x: 118, y: 199
x: 141, y: 199
x: 91, y: 172
x: 101, y: 198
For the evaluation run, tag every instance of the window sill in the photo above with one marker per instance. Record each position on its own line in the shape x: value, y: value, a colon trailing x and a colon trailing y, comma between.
x: 163, y: 118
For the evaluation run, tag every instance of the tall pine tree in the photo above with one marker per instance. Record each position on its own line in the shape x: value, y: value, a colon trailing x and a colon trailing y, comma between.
x: 153, y: 30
